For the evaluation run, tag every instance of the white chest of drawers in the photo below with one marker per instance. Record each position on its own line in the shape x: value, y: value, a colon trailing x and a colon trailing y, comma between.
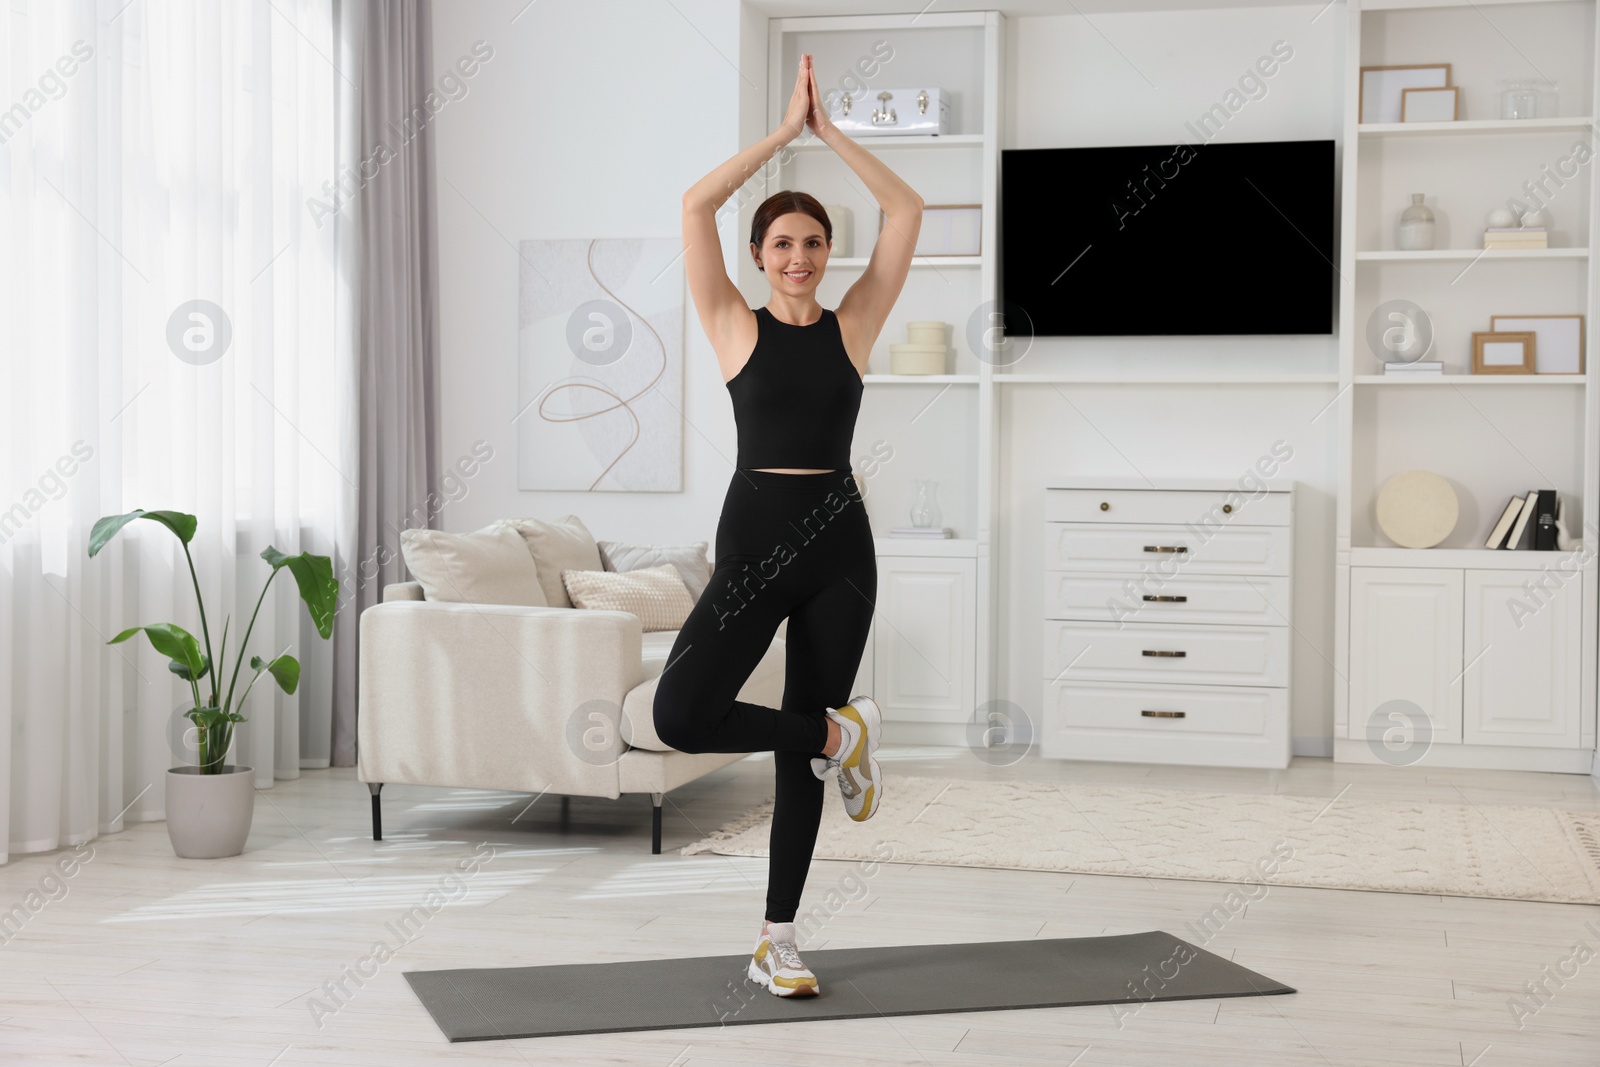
x: 1166, y: 622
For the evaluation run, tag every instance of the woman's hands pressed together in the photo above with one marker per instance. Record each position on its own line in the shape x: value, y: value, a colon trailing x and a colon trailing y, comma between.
x: 818, y: 119
x: 806, y: 109
x: 798, y: 115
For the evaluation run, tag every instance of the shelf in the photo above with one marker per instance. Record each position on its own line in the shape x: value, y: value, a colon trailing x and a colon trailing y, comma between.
x: 916, y: 261
x: 1408, y: 129
x: 1472, y: 379
x: 899, y: 140
x: 920, y: 379
x: 1477, y: 253
x: 1499, y: 559
x: 1198, y: 379
x: 1402, y: 5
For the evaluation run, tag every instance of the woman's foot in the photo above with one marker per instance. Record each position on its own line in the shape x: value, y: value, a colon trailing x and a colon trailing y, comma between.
x: 776, y: 963
x: 860, y: 725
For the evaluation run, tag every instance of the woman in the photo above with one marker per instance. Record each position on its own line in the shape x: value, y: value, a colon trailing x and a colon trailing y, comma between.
x: 793, y: 540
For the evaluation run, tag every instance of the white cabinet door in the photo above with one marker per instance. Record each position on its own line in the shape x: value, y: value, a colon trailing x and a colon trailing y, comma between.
x: 924, y: 642
x: 1522, y: 660
x: 1405, y: 646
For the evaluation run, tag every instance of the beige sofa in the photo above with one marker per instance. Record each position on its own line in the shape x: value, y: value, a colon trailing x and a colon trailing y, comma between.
x: 525, y: 699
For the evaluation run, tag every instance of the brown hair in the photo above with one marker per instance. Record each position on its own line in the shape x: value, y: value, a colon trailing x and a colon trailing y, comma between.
x: 783, y: 203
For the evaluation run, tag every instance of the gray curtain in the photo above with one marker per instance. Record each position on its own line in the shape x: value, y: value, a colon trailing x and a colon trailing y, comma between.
x: 395, y: 268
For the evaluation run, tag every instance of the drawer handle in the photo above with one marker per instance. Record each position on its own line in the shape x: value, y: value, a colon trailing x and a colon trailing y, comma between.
x: 1172, y: 599
x: 1177, y: 655
x: 1166, y: 548
x: 1162, y: 714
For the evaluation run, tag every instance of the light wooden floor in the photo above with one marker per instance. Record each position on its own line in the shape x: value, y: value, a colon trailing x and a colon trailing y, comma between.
x: 148, y: 959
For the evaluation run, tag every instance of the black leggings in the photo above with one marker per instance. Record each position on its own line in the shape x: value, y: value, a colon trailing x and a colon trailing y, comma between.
x: 788, y: 545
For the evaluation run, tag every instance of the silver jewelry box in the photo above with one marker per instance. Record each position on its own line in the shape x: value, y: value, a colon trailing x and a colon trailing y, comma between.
x: 889, y: 111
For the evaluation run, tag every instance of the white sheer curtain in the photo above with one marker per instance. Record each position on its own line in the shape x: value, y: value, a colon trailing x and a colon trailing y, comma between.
x: 160, y: 153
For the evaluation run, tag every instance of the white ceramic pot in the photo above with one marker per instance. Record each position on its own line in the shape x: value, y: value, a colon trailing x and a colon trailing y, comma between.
x: 209, y: 815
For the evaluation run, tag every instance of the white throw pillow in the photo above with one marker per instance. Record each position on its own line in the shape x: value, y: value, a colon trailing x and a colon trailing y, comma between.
x: 690, y: 560
x: 558, y: 545
x: 656, y: 594
x: 487, y: 566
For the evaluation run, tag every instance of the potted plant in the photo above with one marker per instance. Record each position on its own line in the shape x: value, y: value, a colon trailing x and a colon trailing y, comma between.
x: 210, y: 805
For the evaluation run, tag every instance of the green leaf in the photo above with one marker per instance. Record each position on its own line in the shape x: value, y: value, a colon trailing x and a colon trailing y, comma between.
x: 172, y: 641
x: 286, y: 669
x: 181, y: 525
x: 318, y: 587
x: 206, y: 718
x: 181, y: 669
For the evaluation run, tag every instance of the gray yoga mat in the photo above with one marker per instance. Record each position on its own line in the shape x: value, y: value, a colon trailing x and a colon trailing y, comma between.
x: 477, y: 1004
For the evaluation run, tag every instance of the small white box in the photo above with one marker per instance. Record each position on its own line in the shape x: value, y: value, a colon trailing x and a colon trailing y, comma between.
x: 889, y: 111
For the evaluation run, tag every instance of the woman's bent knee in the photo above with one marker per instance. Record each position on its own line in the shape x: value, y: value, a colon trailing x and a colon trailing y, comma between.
x: 673, y: 725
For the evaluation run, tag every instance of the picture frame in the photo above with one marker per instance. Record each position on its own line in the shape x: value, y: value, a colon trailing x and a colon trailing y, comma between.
x: 1379, y: 95
x: 947, y: 230
x: 1430, y: 105
x: 1503, y: 351
x: 1558, y: 344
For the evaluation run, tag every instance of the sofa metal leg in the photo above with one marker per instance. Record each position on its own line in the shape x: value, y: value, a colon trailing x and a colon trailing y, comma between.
x: 377, y: 813
x: 655, y: 823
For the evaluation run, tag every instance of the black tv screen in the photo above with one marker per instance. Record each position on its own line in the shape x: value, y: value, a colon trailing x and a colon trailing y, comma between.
x: 1168, y: 239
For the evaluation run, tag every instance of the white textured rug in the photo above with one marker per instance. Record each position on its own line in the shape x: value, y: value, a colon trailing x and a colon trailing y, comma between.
x: 1462, y: 850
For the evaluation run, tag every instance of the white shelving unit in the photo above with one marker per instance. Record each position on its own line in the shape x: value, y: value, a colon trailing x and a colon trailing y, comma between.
x: 932, y: 652
x: 1436, y: 629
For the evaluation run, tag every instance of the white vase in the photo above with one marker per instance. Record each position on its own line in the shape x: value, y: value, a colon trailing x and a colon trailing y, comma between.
x: 1415, y: 232
x: 925, y: 505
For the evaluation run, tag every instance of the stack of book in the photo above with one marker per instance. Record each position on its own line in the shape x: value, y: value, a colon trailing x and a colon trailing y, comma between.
x: 921, y: 531
x: 1516, y: 237
x: 1424, y: 367
x: 1527, y: 522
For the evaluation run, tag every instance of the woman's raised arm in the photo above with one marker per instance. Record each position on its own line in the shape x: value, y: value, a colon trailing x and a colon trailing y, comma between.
x: 716, y: 299
x: 867, y: 303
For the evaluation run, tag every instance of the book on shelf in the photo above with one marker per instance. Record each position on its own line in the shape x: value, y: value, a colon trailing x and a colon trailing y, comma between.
x: 1514, y: 229
x: 1544, y: 515
x: 1497, y: 536
x: 1517, y: 539
x: 1491, y: 240
x: 1432, y: 367
x: 1528, y: 523
x: 929, y: 532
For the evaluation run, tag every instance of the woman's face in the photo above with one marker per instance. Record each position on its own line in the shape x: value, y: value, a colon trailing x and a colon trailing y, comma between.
x: 794, y: 253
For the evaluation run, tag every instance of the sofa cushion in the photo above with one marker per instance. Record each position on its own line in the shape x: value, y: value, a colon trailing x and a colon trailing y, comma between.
x: 656, y: 594
x: 487, y: 566
x: 654, y: 648
x: 558, y: 545
x: 690, y: 560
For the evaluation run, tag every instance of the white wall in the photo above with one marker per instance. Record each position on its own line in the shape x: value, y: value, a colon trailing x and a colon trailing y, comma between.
x: 514, y: 165
x: 1137, y: 79
x: 590, y: 120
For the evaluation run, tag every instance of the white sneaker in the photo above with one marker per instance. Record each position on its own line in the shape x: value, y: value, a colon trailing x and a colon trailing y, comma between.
x: 776, y: 964
x: 856, y: 763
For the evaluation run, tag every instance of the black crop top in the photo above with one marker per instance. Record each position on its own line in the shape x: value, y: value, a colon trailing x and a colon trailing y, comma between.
x: 795, y: 400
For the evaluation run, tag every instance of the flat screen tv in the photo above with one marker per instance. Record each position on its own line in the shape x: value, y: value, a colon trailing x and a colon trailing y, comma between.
x: 1168, y: 239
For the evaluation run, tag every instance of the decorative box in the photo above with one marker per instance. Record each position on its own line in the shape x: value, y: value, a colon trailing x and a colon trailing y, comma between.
x: 889, y: 111
x: 917, y: 358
